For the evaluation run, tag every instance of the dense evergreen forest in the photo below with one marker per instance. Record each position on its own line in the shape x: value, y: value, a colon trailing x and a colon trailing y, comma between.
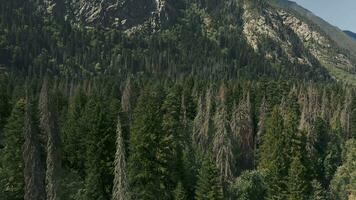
x: 188, y: 112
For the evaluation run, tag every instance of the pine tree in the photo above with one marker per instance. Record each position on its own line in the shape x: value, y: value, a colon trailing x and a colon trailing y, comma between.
x: 344, y: 182
x: 249, y: 185
x: 353, y: 116
x: 100, y: 143
x: 332, y: 159
x: 208, y: 185
x: 202, y: 129
x: 173, y: 141
x: 145, y: 170
x: 128, y: 97
x: 33, y: 164
x: 318, y: 192
x: 120, y: 190
x: 297, y: 182
x: 73, y: 134
x: 5, y: 107
x: 242, y: 131
x: 179, y: 192
x: 48, y: 125
x: 11, y: 163
x: 261, y: 126
x: 272, y: 159
x: 222, y: 144
x: 316, y: 147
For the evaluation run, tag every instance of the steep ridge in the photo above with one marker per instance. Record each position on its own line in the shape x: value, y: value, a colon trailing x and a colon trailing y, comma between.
x: 351, y: 34
x: 335, y: 50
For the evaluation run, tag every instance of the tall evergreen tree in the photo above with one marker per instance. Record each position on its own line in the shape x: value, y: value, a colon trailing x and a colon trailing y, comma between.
x: 297, y: 181
x: 11, y: 163
x: 179, y: 192
x: 5, y: 107
x: 173, y: 141
x: 208, y: 185
x: 222, y: 143
x: 100, y: 143
x: 344, y: 182
x: 202, y: 129
x: 272, y: 159
x: 33, y: 165
x: 316, y: 146
x: 121, y: 188
x: 73, y: 134
x: 48, y: 125
x: 249, y: 185
x: 145, y: 169
x: 242, y: 131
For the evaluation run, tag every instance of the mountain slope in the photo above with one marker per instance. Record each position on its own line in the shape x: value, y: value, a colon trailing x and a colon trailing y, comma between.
x: 333, y: 48
x: 289, y: 39
x: 351, y: 34
x: 337, y: 35
x: 115, y: 13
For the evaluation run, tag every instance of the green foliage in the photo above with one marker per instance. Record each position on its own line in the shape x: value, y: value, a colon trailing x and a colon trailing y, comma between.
x: 208, y: 185
x: 272, y: 158
x: 249, y: 185
x: 11, y: 163
x: 148, y: 156
x: 343, y: 185
x: 179, y: 192
x: 100, y: 142
x: 179, y: 118
x: 297, y: 180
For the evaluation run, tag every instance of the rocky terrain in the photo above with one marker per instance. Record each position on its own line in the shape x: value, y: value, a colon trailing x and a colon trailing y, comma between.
x: 295, y: 37
x: 113, y: 13
x: 281, y: 30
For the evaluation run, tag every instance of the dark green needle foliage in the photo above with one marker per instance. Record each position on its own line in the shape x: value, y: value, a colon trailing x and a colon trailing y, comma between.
x: 204, y: 114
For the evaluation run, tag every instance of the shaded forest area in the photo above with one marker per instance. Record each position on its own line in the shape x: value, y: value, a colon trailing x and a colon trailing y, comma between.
x: 191, y: 112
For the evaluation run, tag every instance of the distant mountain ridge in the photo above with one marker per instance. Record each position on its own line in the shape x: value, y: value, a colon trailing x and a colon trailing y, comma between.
x: 351, y: 34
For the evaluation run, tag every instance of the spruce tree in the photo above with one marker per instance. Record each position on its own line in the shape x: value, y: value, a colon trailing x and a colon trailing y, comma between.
x: 208, y: 185
x: 249, y: 185
x: 120, y: 190
x: 272, y: 159
x: 222, y: 143
x: 242, y: 131
x: 5, y: 107
x: 318, y: 192
x: 145, y: 170
x: 100, y: 143
x: 33, y: 165
x: 344, y: 182
x: 179, y: 192
x: 73, y: 134
x: 173, y: 140
x: 48, y: 126
x: 297, y: 180
x: 203, y: 126
x: 11, y: 163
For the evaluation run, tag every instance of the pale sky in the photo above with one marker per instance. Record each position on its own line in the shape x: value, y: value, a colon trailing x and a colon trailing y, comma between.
x: 340, y: 13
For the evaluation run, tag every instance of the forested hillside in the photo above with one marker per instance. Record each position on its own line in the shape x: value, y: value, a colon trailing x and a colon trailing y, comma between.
x: 184, y: 108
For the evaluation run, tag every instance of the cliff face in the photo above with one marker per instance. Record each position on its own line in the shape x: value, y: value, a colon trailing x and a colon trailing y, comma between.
x: 122, y: 14
x: 279, y: 33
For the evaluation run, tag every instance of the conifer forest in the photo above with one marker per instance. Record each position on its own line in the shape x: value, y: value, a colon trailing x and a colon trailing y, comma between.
x: 179, y: 109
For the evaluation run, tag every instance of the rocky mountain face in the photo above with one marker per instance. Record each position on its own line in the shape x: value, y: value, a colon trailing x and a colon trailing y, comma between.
x: 278, y: 29
x: 122, y: 14
x: 290, y: 35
